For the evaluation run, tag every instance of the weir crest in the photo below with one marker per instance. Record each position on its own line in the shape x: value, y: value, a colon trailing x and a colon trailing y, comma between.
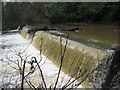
x: 78, y: 59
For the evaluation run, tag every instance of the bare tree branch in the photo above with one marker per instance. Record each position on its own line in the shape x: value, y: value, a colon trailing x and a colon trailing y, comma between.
x: 41, y: 73
x: 23, y: 75
x: 62, y: 58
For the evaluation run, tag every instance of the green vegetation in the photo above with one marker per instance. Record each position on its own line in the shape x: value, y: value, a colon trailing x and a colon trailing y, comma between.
x: 84, y: 12
x: 21, y: 13
x: 15, y: 13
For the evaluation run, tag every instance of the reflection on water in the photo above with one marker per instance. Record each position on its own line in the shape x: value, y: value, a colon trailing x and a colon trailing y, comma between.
x: 10, y: 45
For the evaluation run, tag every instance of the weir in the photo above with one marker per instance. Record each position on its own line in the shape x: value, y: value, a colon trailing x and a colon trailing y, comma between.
x: 79, y: 59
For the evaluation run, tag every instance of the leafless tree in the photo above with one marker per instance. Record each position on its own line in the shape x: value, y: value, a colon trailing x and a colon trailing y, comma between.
x: 20, y: 65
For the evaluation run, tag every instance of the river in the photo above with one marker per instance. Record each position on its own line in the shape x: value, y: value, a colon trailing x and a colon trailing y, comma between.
x: 13, y: 43
x: 102, y: 37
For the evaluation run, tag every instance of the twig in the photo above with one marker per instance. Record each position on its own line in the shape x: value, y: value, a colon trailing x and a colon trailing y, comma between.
x: 41, y: 73
x: 86, y: 76
x: 31, y: 84
x: 62, y: 58
x: 23, y: 75
x: 73, y: 80
x: 25, y: 48
x: 70, y: 79
x: 28, y: 83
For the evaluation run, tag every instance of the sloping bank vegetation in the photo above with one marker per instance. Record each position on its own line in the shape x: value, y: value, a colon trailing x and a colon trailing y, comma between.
x: 100, y: 67
x: 15, y: 13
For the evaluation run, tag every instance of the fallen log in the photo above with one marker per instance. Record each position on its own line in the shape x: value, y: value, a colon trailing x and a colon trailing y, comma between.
x: 33, y: 30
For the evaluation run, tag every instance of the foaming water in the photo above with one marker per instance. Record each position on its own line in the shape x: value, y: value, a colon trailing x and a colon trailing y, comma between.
x: 12, y: 44
x: 86, y: 50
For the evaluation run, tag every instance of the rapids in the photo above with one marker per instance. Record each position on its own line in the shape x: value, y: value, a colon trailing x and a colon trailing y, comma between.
x: 13, y: 43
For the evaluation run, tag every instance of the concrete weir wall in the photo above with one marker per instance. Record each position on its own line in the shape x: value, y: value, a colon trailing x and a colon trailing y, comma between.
x: 78, y: 57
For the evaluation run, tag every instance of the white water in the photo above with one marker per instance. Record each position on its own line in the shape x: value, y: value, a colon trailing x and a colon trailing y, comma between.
x: 10, y: 45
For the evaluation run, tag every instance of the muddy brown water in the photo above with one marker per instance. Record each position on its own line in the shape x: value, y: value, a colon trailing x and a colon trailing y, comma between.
x: 95, y: 35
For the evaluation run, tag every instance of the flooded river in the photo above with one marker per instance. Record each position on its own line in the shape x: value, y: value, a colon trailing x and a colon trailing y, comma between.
x: 101, y: 37
x: 11, y: 44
